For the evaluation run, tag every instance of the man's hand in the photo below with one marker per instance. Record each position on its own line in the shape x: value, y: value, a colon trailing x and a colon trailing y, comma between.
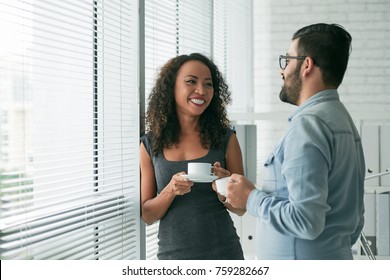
x: 238, y: 190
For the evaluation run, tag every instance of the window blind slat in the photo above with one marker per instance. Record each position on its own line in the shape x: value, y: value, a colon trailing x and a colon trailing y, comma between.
x: 81, y: 238
x: 22, y: 211
x: 17, y: 192
x: 61, y: 224
x: 82, y: 243
x: 34, y: 226
x: 79, y: 241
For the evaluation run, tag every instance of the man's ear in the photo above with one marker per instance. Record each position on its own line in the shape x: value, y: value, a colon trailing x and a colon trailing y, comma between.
x: 308, y: 66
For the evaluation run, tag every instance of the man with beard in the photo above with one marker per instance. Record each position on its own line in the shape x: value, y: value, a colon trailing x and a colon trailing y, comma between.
x: 310, y: 205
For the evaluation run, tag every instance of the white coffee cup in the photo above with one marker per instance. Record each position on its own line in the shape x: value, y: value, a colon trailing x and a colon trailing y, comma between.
x: 222, y: 185
x: 199, y: 169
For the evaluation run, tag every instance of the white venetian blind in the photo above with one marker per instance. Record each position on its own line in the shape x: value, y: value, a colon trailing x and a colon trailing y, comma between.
x: 69, y: 122
x: 232, y: 50
x: 160, y: 37
x: 194, y: 26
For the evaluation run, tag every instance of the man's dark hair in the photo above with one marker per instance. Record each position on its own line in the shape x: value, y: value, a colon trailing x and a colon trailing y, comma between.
x: 329, y: 45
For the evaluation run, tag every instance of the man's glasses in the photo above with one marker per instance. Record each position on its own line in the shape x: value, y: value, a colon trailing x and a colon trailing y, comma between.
x: 283, y: 60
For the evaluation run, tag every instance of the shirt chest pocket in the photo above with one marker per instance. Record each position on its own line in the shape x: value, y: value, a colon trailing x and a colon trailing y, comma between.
x: 269, y: 184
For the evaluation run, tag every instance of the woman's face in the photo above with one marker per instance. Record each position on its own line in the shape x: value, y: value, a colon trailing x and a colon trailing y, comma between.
x: 193, y: 88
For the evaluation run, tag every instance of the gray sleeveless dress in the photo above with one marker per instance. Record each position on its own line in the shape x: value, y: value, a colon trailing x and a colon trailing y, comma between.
x: 197, y: 225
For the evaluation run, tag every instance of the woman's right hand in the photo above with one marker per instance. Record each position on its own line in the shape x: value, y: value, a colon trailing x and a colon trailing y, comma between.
x: 179, y: 185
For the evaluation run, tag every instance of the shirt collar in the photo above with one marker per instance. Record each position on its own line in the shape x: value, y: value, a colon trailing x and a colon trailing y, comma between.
x: 319, y: 97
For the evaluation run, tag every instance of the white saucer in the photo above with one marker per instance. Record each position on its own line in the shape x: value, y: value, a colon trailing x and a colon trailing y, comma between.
x: 200, y: 179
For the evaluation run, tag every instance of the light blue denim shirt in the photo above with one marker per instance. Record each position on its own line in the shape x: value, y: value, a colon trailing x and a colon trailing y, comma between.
x: 311, y: 203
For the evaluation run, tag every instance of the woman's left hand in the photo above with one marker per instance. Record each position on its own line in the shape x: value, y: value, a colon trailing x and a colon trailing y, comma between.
x: 219, y: 171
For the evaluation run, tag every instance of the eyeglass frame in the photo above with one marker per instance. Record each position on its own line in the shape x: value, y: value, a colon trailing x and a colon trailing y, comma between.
x: 286, y: 57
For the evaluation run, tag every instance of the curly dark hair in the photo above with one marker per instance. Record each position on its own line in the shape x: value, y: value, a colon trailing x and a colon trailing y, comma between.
x: 161, y: 117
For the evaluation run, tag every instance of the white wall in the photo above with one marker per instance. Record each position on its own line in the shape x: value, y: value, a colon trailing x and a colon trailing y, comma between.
x: 368, y: 21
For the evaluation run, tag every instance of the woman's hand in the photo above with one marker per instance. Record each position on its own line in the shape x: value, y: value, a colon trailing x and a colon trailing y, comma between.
x: 219, y: 171
x: 179, y: 185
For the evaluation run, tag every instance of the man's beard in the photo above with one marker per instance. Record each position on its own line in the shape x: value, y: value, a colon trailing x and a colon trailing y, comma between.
x: 290, y: 93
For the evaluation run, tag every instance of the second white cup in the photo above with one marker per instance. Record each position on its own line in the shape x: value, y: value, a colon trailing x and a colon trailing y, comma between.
x: 222, y: 185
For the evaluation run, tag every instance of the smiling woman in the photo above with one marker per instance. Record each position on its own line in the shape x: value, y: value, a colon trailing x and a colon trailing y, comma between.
x: 187, y: 122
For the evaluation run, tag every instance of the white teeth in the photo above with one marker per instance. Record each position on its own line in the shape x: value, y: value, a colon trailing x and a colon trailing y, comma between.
x: 197, y: 101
